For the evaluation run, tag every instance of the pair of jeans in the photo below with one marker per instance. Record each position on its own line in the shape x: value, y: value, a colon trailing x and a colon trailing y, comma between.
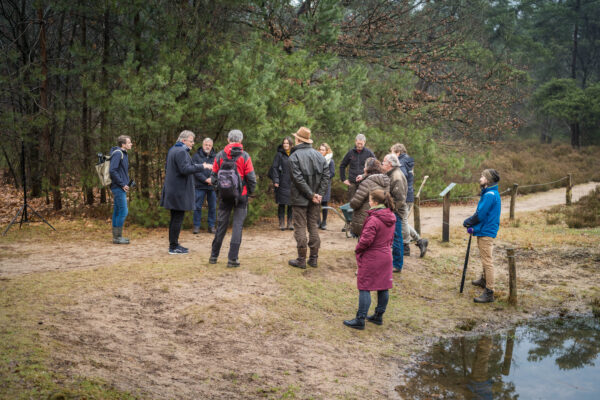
x: 211, y: 200
x: 175, y: 227
x: 398, y: 245
x: 120, y: 210
x: 364, y: 302
x: 240, y: 210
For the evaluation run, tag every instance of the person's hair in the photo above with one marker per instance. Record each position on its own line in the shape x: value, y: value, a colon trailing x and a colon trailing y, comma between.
x: 381, y: 197
x: 121, y: 140
x: 235, y: 136
x: 184, y: 135
x: 327, y: 147
x: 373, y: 166
x: 362, y: 137
x: 392, y: 159
x: 290, y: 141
x: 207, y: 140
x: 398, y: 148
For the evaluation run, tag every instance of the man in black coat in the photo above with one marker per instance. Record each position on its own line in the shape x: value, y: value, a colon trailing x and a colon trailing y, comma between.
x: 355, y: 161
x: 178, y: 190
x: 204, y: 188
x: 310, y: 178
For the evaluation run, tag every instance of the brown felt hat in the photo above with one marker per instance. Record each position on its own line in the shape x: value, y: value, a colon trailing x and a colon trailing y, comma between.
x: 303, y: 135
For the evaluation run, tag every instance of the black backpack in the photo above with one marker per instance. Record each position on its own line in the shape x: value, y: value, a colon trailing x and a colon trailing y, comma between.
x: 229, y: 181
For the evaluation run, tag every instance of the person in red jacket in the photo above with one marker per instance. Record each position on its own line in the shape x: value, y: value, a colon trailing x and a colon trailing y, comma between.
x: 374, y: 259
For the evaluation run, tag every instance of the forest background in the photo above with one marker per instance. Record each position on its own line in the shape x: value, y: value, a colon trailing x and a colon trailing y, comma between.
x: 449, y: 79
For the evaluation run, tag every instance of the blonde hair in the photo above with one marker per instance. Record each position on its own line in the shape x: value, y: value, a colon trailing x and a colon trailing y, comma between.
x: 398, y: 148
x: 326, y: 147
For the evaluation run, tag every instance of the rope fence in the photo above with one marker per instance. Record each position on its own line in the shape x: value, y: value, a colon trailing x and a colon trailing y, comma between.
x: 512, y: 191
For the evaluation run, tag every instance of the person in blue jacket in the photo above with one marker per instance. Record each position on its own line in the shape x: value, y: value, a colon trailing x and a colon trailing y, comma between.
x: 119, y: 186
x: 484, y: 225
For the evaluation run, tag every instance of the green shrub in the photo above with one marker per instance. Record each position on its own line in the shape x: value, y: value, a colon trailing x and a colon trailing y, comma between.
x: 147, y: 213
x: 586, y: 212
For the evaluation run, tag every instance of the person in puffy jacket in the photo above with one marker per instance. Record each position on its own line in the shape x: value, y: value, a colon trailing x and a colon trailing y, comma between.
x: 484, y: 225
x: 373, y: 178
x: 374, y: 259
x: 282, y: 181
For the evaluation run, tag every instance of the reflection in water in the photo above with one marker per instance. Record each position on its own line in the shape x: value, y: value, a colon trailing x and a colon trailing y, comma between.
x: 557, y: 359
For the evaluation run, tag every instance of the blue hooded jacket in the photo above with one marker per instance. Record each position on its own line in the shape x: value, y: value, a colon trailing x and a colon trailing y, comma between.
x: 486, y: 220
x: 119, y: 168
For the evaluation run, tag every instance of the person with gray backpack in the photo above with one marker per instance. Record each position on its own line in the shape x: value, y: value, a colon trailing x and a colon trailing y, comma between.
x: 119, y: 186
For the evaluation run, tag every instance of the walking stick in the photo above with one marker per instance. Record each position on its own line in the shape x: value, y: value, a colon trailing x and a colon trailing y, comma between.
x: 419, y: 192
x: 462, y: 281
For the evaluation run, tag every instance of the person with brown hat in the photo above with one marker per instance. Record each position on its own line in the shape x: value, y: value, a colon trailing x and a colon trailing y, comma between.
x: 310, y: 179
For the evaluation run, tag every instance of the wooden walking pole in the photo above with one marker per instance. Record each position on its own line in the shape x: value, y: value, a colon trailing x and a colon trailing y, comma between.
x: 569, y: 189
x: 446, y: 216
x: 513, y: 199
x: 512, y: 276
x: 417, y: 208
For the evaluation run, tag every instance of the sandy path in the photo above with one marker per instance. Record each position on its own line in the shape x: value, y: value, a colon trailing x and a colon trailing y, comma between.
x: 29, y: 256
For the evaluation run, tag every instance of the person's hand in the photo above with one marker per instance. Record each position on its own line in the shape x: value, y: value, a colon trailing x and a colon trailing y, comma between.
x: 209, y: 181
x: 347, y: 182
x: 276, y: 184
x: 359, y: 178
x: 470, y: 231
x: 316, y: 199
x: 207, y: 165
x: 126, y: 188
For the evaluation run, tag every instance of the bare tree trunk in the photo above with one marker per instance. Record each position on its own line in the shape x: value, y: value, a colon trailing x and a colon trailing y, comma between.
x: 85, y: 129
x: 104, y: 112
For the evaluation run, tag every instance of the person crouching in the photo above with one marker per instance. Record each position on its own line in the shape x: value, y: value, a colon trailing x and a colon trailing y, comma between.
x: 374, y: 258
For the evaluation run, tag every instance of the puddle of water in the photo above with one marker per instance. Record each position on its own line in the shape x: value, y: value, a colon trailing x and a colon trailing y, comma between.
x: 551, y: 359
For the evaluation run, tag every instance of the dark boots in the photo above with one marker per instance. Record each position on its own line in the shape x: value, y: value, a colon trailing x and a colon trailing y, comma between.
x: 422, y: 245
x: 299, y: 262
x: 406, y: 250
x: 376, y: 318
x: 479, y: 282
x: 290, y: 226
x: 118, y: 235
x: 486, y: 297
x: 314, y: 255
x: 282, y: 223
x: 356, y: 323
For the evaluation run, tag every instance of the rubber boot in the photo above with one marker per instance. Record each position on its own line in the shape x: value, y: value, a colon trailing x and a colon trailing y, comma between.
x: 299, y: 262
x: 376, y: 318
x: 356, y: 323
x: 290, y: 226
x: 117, y: 235
x: 479, y: 282
x: 406, y: 249
x: 422, y: 245
x: 314, y: 256
x: 196, y: 230
x: 486, y: 297
x: 282, y: 223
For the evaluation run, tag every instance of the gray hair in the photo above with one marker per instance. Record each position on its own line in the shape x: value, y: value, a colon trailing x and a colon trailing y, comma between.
x: 392, y: 159
x: 184, y: 135
x: 361, y: 137
x: 235, y: 136
x: 207, y: 140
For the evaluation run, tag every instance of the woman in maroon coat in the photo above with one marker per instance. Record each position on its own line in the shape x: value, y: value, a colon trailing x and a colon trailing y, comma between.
x: 374, y: 258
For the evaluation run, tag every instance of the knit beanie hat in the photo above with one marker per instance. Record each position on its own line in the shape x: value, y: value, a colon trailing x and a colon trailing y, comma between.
x: 491, y: 175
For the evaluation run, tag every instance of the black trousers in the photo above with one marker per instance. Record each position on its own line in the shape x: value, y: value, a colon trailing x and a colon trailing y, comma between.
x: 240, y: 210
x: 281, y: 211
x: 175, y: 227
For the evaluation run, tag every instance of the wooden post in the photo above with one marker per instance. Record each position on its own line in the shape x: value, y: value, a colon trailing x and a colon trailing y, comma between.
x: 569, y: 188
x: 446, y: 219
x: 513, y: 199
x: 512, y: 276
x: 417, y: 211
x: 508, y: 352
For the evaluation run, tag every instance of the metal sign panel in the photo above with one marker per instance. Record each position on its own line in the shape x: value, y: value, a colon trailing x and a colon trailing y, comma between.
x: 448, y: 188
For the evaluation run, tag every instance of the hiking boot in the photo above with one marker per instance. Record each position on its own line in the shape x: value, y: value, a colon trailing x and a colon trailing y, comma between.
x: 314, y: 255
x: 406, y: 249
x: 479, y: 282
x: 196, y: 230
x: 117, y: 235
x: 233, y: 263
x: 376, y: 318
x: 396, y: 269
x: 356, y: 323
x: 178, y: 250
x: 212, y: 260
x: 486, y: 297
x: 212, y: 229
x: 299, y: 262
x: 323, y: 226
x: 282, y: 224
x: 422, y: 245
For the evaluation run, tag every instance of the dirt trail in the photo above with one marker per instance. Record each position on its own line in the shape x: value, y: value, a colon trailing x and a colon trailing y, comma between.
x: 31, y: 256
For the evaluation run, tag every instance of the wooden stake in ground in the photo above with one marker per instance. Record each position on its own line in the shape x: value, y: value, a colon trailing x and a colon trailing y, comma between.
x: 569, y: 193
x: 512, y: 277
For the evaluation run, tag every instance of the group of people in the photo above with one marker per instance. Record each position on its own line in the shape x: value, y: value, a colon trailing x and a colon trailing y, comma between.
x: 380, y: 194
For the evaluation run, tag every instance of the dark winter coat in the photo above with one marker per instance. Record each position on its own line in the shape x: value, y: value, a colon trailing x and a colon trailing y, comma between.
x: 327, y: 196
x: 398, y: 189
x: 243, y: 163
x: 360, y: 202
x: 280, y: 174
x: 178, y: 190
x: 408, y: 167
x: 200, y: 177
x: 373, y: 251
x: 119, y: 168
x: 355, y: 160
x: 310, y: 174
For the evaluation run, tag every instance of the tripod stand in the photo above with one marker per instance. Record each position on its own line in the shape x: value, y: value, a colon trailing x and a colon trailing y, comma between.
x: 23, y: 210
